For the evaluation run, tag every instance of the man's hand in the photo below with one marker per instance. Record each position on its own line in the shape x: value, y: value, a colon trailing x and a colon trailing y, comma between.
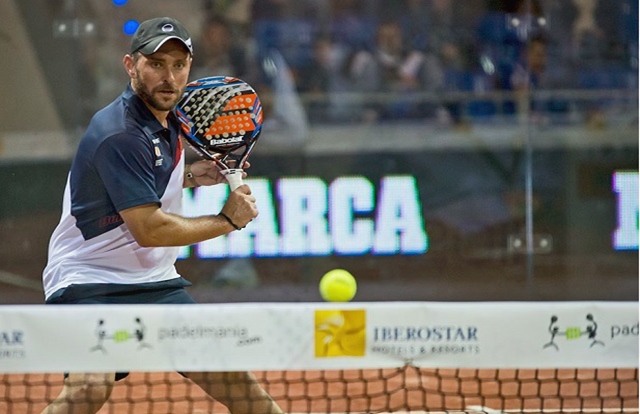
x: 206, y: 172
x: 240, y: 206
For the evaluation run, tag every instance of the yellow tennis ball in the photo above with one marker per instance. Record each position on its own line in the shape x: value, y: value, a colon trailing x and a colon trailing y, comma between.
x: 338, y: 285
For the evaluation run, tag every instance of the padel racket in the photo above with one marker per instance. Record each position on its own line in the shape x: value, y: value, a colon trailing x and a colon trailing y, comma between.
x: 221, y: 119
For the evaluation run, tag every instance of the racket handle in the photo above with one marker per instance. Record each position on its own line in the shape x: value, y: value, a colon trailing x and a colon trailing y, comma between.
x: 234, y: 177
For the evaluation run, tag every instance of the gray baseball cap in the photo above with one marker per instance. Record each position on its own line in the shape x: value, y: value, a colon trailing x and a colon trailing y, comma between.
x: 153, y: 33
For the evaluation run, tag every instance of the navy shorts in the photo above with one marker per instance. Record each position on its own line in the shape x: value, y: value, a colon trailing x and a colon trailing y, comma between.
x: 166, y: 292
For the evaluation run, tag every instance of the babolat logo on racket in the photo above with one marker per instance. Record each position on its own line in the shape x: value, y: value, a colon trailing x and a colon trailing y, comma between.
x: 119, y: 335
x: 226, y: 141
x: 588, y: 331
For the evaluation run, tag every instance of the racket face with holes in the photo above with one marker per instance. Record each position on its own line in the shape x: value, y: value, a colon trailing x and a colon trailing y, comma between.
x: 221, y: 116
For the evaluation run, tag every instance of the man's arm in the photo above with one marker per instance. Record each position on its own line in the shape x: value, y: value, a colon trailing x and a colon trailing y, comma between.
x: 152, y: 227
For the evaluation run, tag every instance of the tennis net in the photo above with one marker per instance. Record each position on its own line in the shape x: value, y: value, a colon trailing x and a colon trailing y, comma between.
x: 491, y: 357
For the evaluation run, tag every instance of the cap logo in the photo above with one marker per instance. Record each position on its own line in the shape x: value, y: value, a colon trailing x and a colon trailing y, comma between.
x: 167, y: 27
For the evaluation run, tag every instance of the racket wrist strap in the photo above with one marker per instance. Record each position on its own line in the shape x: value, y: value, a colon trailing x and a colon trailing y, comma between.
x: 235, y: 226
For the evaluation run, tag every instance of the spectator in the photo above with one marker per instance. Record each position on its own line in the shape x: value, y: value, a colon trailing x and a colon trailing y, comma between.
x: 587, y: 37
x: 316, y: 78
x: 528, y: 73
x: 452, y: 44
x: 236, y: 12
x: 397, y: 70
x: 529, y: 70
x: 329, y: 81
x: 319, y: 78
x: 352, y: 24
x: 531, y: 73
x: 287, y: 27
x: 448, y: 39
x: 502, y: 35
x: 415, y: 18
x: 503, y: 31
x: 219, y: 55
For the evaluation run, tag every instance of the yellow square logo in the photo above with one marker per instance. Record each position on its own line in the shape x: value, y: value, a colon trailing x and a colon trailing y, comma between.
x: 340, y: 333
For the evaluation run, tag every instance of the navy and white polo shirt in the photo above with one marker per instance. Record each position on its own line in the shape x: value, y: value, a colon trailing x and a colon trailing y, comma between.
x: 125, y: 159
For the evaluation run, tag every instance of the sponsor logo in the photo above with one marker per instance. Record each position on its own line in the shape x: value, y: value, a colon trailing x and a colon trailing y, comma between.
x: 622, y: 330
x: 306, y: 216
x: 159, y: 158
x: 425, y: 333
x: 157, y: 151
x: 106, y: 335
x: 109, y: 220
x: 12, y: 344
x: 239, y: 334
x: 340, y: 333
x: 588, y: 332
x: 408, y: 342
x: 223, y: 141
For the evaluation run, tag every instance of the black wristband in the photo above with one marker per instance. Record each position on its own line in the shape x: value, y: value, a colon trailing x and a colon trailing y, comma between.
x: 229, y: 220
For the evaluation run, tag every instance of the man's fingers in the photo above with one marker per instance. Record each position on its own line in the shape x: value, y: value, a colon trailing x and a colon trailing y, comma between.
x: 244, y: 189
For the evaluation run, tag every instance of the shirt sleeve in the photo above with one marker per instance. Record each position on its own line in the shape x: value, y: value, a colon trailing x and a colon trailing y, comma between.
x: 125, y: 165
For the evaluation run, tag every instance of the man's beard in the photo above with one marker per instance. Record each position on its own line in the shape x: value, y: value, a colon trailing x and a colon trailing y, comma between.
x: 146, y: 95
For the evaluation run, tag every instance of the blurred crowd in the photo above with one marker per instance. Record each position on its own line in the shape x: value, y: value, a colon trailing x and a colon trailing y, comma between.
x: 368, y: 60
x: 378, y: 59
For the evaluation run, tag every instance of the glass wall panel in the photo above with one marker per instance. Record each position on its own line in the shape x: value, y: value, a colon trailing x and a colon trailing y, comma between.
x: 437, y: 149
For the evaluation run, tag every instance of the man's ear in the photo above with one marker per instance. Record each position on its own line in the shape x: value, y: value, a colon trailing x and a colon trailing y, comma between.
x: 129, y: 65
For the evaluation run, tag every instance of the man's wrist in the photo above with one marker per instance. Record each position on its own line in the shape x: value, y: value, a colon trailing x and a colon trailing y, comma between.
x: 234, y: 225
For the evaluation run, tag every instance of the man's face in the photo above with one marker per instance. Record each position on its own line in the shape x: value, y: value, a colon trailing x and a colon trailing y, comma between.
x: 160, y: 79
x: 390, y: 38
